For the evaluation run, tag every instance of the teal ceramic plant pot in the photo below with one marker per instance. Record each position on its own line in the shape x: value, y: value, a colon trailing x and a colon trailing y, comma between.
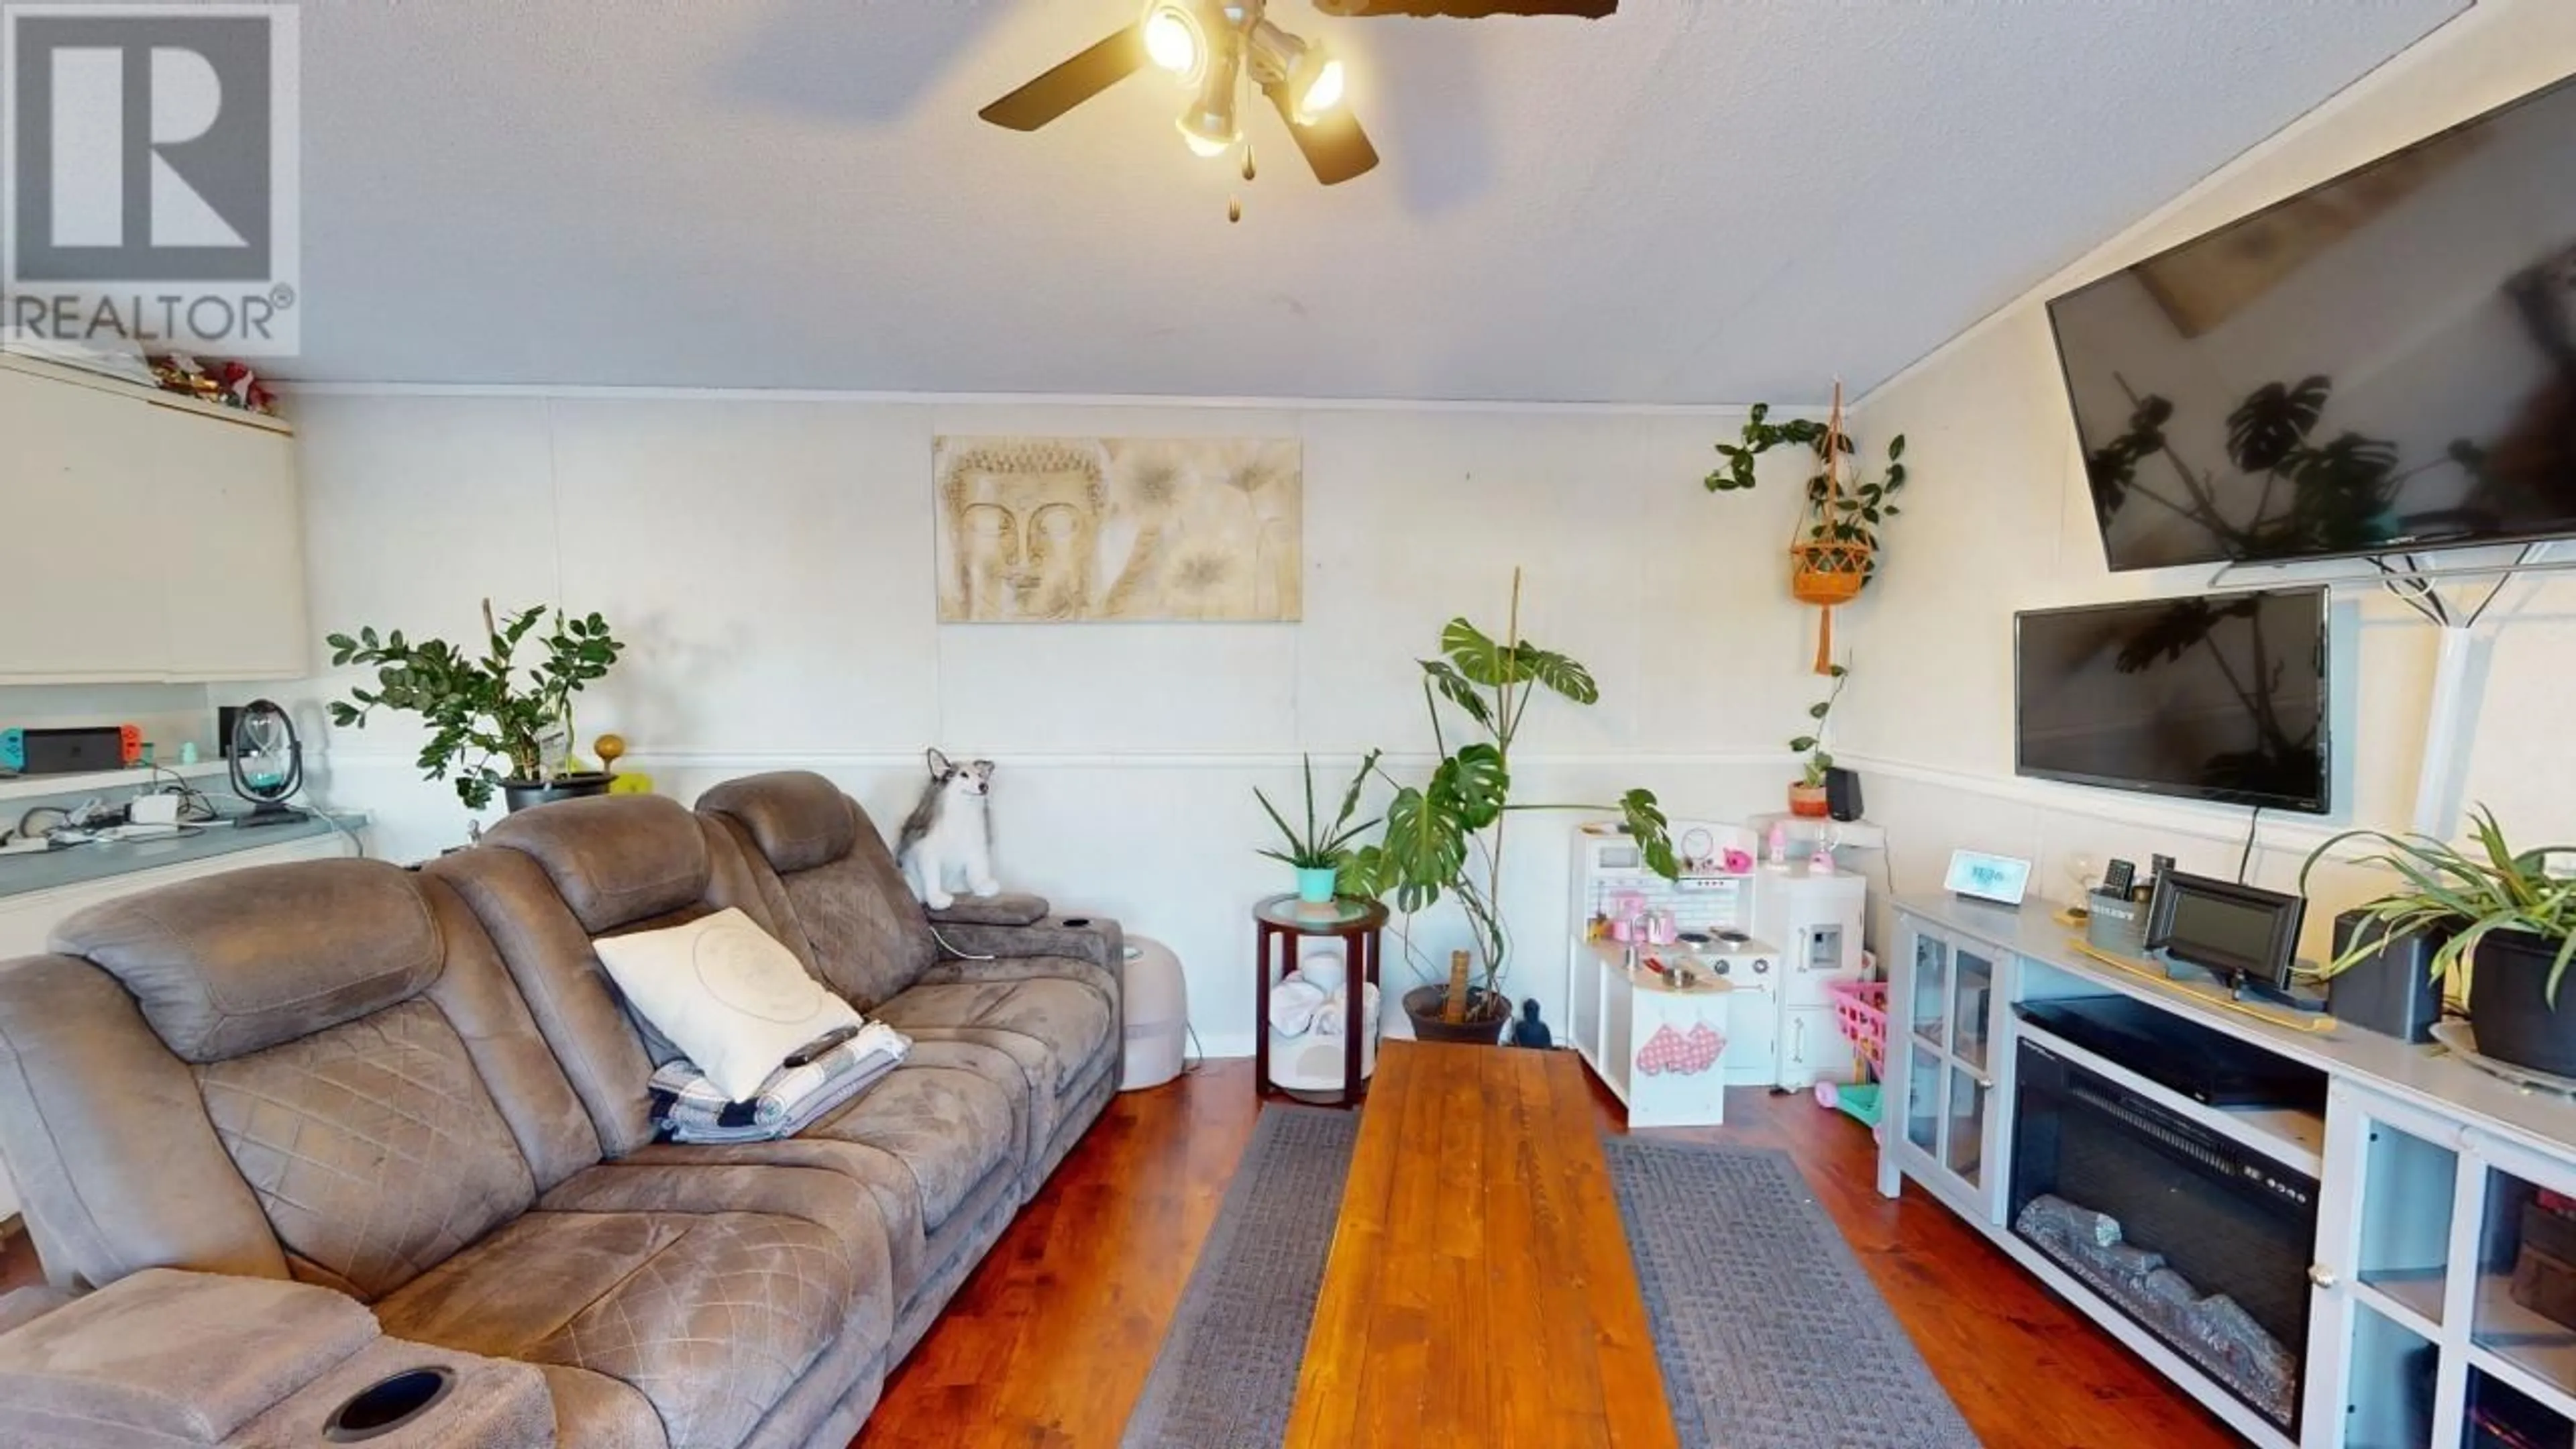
x: 1315, y: 884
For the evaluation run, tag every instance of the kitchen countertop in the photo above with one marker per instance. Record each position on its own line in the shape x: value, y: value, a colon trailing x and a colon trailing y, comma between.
x: 103, y: 860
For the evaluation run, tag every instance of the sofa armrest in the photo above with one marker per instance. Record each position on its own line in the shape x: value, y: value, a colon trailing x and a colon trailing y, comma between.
x: 170, y: 1357
x: 26, y: 1305
x: 1095, y: 939
x: 1009, y: 908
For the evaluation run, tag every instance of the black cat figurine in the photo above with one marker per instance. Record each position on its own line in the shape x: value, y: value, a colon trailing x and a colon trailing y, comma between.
x: 1529, y: 1031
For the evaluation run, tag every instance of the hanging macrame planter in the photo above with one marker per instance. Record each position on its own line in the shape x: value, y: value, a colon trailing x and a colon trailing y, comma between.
x: 1825, y: 570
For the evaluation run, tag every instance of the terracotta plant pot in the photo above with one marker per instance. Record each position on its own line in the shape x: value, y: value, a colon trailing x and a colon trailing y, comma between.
x: 1487, y: 1014
x: 2509, y: 1005
x: 520, y: 794
x: 1809, y: 801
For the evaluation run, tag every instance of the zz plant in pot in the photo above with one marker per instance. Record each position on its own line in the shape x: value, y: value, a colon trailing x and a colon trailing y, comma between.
x: 2510, y: 924
x: 1443, y: 835
x: 1316, y: 853
x: 484, y: 708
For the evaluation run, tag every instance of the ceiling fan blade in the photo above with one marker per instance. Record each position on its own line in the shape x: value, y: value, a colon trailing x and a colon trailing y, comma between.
x: 1468, y: 9
x: 1335, y: 145
x: 1070, y: 84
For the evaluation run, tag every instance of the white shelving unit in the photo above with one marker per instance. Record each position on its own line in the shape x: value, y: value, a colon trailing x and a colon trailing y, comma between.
x: 2428, y: 1173
x: 24, y: 787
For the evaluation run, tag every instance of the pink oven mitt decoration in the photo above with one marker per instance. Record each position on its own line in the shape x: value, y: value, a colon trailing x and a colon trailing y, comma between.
x: 1683, y: 1053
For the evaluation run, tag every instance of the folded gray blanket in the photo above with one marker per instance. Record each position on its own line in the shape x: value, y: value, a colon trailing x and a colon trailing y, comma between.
x: 687, y: 1107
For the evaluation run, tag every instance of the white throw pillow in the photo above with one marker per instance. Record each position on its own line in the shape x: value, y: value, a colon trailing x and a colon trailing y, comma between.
x: 727, y: 995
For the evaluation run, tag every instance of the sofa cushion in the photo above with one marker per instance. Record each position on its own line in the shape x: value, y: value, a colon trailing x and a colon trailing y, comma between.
x: 948, y: 1127
x: 796, y: 819
x: 373, y: 1147
x: 614, y: 859
x: 711, y: 1317
x: 733, y: 1000
x: 847, y: 904
x: 250, y: 958
x: 1053, y: 1025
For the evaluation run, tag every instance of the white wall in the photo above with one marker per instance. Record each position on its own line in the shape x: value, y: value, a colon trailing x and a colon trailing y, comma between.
x: 770, y: 562
x: 1998, y: 520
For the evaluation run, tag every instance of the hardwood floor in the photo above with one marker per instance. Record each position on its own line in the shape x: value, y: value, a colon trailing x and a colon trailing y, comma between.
x: 1049, y: 1342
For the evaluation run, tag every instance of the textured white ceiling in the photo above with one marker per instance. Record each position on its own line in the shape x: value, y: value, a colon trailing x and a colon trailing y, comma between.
x: 1714, y: 202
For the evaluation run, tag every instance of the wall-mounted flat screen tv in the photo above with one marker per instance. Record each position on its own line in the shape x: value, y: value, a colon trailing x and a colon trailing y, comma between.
x: 2382, y: 364
x: 2213, y: 697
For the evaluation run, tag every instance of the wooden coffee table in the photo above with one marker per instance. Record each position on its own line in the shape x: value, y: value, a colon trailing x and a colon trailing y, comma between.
x: 1479, y: 1290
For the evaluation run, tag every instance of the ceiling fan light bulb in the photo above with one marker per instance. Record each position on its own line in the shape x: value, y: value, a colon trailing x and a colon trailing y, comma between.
x: 1322, y: 90
x: 1207, y: 144
x: 1173, y: 41
x: 1210, y: 125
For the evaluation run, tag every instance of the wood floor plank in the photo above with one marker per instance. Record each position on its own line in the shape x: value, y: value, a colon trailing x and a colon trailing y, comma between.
x: 1347, y: 1304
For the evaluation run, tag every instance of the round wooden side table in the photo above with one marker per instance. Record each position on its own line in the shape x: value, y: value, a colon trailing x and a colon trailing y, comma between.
x: 1278, y: 924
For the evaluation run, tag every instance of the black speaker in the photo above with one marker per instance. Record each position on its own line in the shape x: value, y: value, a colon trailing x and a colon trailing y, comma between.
x: 1842, y: 793
x: 227, y: 721
x: 2392, y: 990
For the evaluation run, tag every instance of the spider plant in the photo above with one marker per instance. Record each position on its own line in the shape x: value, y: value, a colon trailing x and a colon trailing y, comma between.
x: 1320, y: 846
x: 2471, y: 895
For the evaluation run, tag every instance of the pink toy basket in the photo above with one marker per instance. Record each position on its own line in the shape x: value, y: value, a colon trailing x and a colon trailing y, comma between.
x: 1860, y: 1009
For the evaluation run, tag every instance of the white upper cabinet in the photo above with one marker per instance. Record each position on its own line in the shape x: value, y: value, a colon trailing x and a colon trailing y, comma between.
x: 144, y: 537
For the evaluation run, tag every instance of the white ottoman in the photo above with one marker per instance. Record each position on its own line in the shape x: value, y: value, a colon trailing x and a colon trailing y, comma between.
x: 1156, y: 999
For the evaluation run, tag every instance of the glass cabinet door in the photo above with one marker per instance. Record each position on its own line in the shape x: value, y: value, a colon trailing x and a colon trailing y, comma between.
x: 1931, y: 987
x: 1975, y: 987
x: 2389, y: 1385
x: 2407, y: 1187
x: 1964, y: 1129
x: 2524, y: 1303
x: 1923, y: 1071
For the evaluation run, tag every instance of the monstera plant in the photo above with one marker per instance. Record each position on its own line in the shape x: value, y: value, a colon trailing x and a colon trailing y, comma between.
x: 1443, y: 836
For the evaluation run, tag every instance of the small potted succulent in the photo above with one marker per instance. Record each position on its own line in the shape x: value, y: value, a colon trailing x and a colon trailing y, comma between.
x: 482, y: 709
x: 1807, y: 795
x: 1316, y: 853
x: 2510, y: 922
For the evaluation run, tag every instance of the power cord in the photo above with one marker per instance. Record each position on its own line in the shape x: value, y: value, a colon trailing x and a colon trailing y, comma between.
x: 2245, y: 857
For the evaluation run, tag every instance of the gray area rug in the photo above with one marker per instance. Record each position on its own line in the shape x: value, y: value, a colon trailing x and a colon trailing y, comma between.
x: 1227, y: 1373
x: 1769, y: 1333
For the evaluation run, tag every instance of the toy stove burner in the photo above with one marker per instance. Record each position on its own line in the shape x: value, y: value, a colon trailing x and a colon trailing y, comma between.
x: 1739, y: 958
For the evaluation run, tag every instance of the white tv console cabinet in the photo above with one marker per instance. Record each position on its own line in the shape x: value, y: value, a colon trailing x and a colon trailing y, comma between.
x: 2425, y: 1165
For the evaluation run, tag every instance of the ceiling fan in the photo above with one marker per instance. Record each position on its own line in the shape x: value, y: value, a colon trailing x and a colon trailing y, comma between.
x: 1213, y: 48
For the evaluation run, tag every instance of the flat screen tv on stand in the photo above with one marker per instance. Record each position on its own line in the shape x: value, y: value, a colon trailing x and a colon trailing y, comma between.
x: 2382, y: 364
x: 2220, y: 697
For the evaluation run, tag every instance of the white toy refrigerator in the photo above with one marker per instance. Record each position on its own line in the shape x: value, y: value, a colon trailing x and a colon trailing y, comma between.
x: 1815, y: 918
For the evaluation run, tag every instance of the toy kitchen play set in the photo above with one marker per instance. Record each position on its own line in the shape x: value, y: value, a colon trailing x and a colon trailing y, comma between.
x: 1678, y: 989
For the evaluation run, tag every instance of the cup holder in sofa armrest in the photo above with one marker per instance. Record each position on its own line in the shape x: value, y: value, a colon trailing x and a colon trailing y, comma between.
x: 389, y: 1404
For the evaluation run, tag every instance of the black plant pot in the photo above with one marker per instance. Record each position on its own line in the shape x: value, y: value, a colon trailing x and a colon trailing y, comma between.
x: 2509, y: 1004
x: 1487, y: 1014
x: 520, y: 794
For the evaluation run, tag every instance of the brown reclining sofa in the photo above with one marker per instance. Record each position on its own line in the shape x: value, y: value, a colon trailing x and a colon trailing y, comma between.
x: 288, y: 1132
